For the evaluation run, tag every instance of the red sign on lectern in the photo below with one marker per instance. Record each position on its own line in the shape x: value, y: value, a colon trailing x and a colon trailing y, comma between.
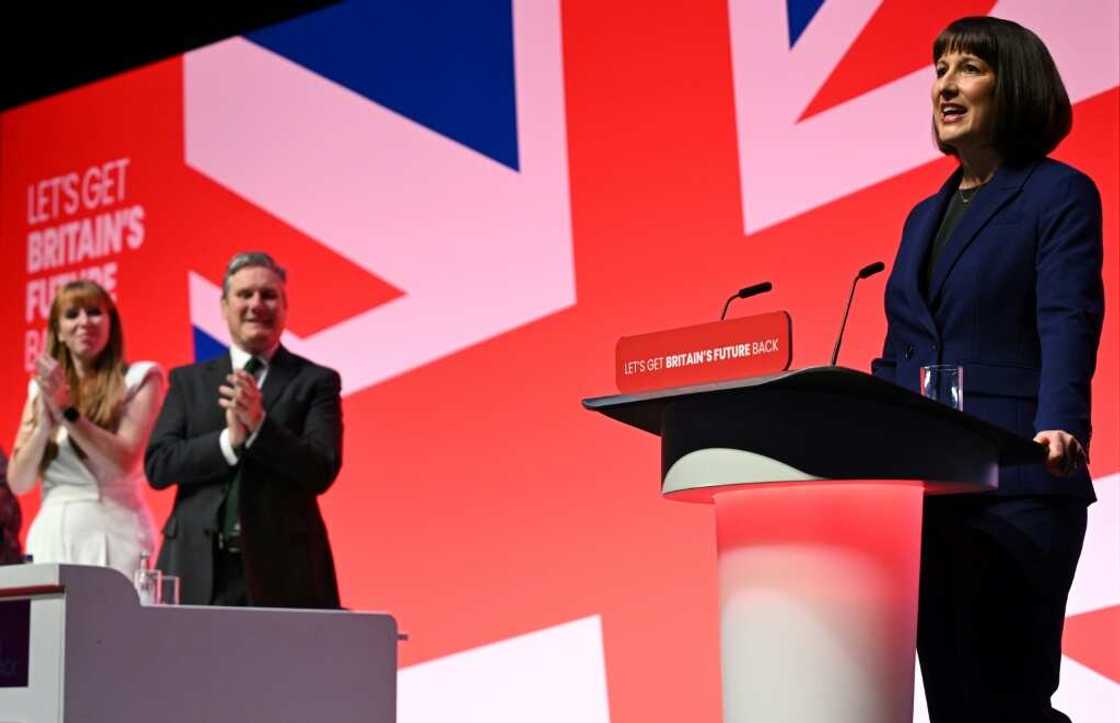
x: 712, y: 352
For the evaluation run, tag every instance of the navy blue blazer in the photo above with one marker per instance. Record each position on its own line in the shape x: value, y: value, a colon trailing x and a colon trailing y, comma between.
x: 1016, y: 298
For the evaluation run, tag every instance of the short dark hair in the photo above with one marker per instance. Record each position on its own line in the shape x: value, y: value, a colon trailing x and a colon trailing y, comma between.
x: 245, y: 259
x: 1032, y: 110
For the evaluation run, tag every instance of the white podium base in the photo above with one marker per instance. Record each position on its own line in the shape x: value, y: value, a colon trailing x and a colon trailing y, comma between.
x: 818, y: 601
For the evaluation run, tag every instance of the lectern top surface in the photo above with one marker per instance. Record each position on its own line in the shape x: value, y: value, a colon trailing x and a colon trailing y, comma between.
x: 859, y: 393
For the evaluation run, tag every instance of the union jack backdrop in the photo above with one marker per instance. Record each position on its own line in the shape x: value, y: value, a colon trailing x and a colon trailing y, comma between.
x: 474, y: 201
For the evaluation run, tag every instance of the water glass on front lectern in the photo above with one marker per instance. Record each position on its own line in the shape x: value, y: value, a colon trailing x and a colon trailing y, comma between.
x: 943, y: 383
x: 148, y: 585
x: 169, y: 590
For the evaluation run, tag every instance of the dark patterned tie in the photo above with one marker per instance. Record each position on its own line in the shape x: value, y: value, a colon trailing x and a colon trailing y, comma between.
x: 231, y: 514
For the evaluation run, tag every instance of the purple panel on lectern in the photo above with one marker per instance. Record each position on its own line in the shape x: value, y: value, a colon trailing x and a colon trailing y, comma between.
x: 15, y: 642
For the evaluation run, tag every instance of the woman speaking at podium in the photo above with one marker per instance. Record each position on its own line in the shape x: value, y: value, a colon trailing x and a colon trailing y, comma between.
x: 999, y: 272
x: 84, y: 428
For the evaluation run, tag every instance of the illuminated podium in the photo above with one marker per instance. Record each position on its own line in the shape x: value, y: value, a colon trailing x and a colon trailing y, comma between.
x: 817, y: 478
x: 76, y: 646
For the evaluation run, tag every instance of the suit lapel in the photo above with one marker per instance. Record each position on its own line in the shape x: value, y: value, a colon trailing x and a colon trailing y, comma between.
x: 281, y: 371
x: 214, y: 373
x: 1000, y: 190
x: 918, y: 248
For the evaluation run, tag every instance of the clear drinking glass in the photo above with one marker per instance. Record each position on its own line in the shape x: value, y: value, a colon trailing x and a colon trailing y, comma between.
x: 943, y: 383
x: 148, y: 585
x: 169, y: 590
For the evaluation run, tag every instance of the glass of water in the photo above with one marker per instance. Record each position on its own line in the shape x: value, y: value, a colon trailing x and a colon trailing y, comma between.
x: 169, y: 590
x: 943, y: 383
x: 148, y: 585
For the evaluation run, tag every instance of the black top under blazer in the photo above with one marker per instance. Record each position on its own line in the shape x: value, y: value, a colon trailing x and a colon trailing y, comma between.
x: 1016, y: 298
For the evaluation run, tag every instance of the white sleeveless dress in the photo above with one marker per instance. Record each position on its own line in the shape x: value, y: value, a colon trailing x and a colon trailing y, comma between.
x: 88, y: 521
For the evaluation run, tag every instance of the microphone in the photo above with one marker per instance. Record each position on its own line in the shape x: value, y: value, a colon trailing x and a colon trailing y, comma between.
x: 746, y: 292
x: 869, y: 270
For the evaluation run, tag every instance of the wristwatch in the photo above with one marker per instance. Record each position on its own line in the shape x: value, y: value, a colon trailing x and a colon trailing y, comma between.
x: 71, y: 413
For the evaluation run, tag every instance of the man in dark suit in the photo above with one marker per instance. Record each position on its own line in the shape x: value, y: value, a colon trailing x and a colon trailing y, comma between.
x: 251, y: 439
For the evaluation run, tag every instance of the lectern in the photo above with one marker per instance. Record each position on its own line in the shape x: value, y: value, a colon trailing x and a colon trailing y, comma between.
x: 77, y: 646
x: 817, y: 478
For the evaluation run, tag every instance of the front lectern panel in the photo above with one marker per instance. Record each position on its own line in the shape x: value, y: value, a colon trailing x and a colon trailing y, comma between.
x: 821, y: 435
x: 96, y: 654
x: 822, y: 423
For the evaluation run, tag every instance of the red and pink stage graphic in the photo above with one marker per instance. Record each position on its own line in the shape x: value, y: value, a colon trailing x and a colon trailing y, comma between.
x: 473, y: 206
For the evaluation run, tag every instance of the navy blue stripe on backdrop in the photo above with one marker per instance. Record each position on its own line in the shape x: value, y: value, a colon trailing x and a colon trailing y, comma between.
x: 206, y: 346
x: 800, y: 12
x: 445, y: 64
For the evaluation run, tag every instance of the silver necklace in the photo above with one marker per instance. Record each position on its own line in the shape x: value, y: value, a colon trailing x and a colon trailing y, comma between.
x: 967, y: 194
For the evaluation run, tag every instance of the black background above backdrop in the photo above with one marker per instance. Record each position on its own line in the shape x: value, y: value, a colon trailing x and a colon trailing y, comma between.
x: 49, y: 47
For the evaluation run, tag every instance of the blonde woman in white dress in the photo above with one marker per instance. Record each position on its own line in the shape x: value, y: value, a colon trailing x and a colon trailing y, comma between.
x: 84, y: 428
